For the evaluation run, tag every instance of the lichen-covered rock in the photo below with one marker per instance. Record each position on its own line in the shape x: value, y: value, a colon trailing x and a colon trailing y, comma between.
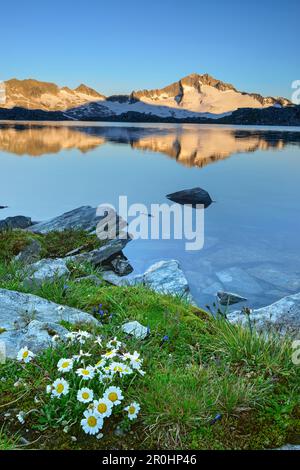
x: 134, y: 328
x: 47, y: 270
x: 22, y: 316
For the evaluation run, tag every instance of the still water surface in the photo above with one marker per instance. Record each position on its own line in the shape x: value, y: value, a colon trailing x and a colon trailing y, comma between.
x: 252, y: 243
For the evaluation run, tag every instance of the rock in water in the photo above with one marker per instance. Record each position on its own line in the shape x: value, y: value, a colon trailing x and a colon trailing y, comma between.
x: 228, y: 298
x: 282, y: 316
x: 193, y: 197
x: 28, y: 320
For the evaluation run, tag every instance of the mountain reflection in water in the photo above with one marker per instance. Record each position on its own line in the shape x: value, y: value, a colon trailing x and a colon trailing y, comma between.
x: 192, y: 146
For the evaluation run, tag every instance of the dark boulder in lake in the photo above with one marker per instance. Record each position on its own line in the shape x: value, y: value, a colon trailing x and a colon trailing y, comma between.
x: 193, y: 197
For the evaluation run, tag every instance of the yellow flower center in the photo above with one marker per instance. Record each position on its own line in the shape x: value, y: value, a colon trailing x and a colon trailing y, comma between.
x: 25, y: 354
x: 85, y: 395
x: 92, y: 421
x: 118, y: 369
x: 85, y: 372
x: 109, y: 353
x: 102, y: 407
x: 60, y: 388
x: 65, y: 365
x: 113, y: 396
x: 131, y: 410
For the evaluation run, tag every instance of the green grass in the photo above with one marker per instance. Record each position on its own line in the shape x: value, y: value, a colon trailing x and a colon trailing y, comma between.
x: 53, y: 244
x: 206, y: 367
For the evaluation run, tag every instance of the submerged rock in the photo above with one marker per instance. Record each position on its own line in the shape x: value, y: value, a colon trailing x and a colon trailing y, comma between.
x: 192, y: 196
x: 29, y: 318
x: 237, y: 279
x: 282, y: 316
x: 229, y: 298
x: 19, y: 221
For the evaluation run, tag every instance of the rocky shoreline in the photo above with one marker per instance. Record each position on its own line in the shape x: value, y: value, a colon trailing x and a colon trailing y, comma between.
x: 165, y: 277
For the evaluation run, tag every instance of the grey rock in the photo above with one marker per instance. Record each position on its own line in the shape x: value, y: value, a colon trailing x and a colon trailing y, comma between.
x: 105, y: 252
x: 229, y: 298
x: 46, y: 270
x: 30, y: 254
x: 237, y: 279
x: 114, y: 279
x: 135, y: 329
x: 167, y: 277
x: 121, y: 266
x: 19, y: 221
x: 36, y: 336
x: 92, y: 278
x: 23, y: 315
x: 282, y: 316
x: 84, y: 218
x: 164, y: 277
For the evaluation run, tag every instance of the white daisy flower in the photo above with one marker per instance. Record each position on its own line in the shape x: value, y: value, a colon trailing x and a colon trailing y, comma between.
x: 86, y: 373
x: 72, y: 336
x: 82, y: 336
x: 92, y: 422
x: 133, y: 410
x: 120, y: 368
x: 105, y: 376
x: 110, y: 354
x: 114, y: 394
x: 60, y: 387
x: 103, y: 407
x: 24, y: 355
x: 135, y: 360
x: 81, y: 355
x: 114, y: 344
x: 100, y: 363
x: 98, y: 341
x: 65, y: 365
x: 85, y: 395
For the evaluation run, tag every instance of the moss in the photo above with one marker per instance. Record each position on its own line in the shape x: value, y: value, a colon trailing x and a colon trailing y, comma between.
x: 54, y: 244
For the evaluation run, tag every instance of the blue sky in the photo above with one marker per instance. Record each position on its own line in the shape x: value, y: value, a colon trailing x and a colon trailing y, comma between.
x: 118, y: 46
